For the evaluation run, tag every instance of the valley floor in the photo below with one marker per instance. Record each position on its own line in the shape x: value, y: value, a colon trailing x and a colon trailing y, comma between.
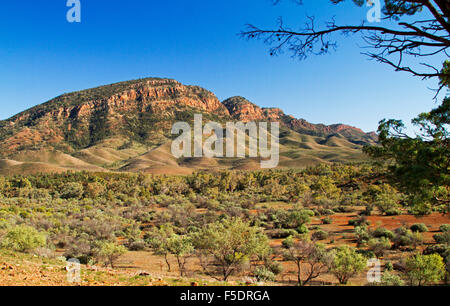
x: 143, y: 268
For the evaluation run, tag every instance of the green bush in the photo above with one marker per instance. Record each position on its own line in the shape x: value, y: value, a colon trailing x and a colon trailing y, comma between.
x: 319, y: 235
x: 282, y: 233
x: 360, y: 221
x: 444, y: 227
x: 441, y: 249
x: 23, y: 238
x: 72, y: 191
x: 393, y: 212
x: 366, y: 253
x: 263, y: 274
x: 382, y: 232
x: 419, y: 227
x: 443, y: 238
x: 406, y: 237
x: 389, y: 266
x: 274, y: 266
x: 379, y: 245
x: 389, y: 279
x: 327, y: 220
x: 302, y: 229
x: 362, y: 234
x: 326, y: 212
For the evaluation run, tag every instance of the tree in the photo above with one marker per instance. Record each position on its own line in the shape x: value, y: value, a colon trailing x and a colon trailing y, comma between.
x: 392, y: 44
x: 230, y: 243
x: 424, y: 269
x: 384, y: 197
x: 181, y: 247
x: 419, y: 165
x: 110, y: 252
x: 159, y: 241
x: 313, y: 256
x: 346, y: 263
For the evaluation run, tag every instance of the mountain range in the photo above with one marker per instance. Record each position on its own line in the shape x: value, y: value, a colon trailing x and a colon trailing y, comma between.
x: 127, y: 127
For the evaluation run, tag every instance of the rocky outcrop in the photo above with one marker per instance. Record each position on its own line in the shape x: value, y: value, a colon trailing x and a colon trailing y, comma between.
x: 244, y: 110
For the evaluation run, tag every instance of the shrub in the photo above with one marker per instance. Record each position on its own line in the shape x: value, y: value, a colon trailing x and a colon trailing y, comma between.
x: 419, y: 227
x: 389, y: 279
x: 405, y: 237
x: 443, y: 238
x: 81, y: 249
x: 326, y: 212
x: 72, y: 191
x: 359, y: 221
x: 393, y: 212
x: 22, y: 238
x: 327, y: 220
x: 444, y: 227
x: 311, y: 259
x: 291, y: 219
x: 319, y: 235
x: 441, y: 249
x: 424, y: 269
x: 302, y: 229
x: 379, y: 245
x: 282, y: 233
x: 362, y: 234
x: 382, y: 232
x: 366, y: 253
x: 274, y: 267
x: 137, y: 245
x: 389, y: 266
x: 263, y: 274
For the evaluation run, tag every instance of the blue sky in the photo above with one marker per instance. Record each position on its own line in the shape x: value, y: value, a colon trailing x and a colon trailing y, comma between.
x: 196, y: 43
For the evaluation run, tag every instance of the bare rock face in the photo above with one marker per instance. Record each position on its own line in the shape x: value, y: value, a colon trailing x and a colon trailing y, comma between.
x: 79, y: 119
x: 243, y: 110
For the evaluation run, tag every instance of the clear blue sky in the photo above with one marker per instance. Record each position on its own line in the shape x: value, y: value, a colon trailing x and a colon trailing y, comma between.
x: 196, y: 42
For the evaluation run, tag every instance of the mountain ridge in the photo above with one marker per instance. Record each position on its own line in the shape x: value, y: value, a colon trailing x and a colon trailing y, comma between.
x: 117, y: 123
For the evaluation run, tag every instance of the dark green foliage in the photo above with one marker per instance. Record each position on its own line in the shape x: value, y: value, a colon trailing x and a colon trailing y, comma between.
x: 442, y: 249
x: 419, y: 227
x: 380, y: 232
x: 421, y: 163
x: 359, y: 221
x: 327, y: 220
x: 319, y: 235
x: 444, y: 228
x: 443, y: 238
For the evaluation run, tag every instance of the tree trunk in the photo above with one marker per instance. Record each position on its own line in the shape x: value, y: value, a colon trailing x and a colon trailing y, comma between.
x: 299, y: 273
x: 167, y: 262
